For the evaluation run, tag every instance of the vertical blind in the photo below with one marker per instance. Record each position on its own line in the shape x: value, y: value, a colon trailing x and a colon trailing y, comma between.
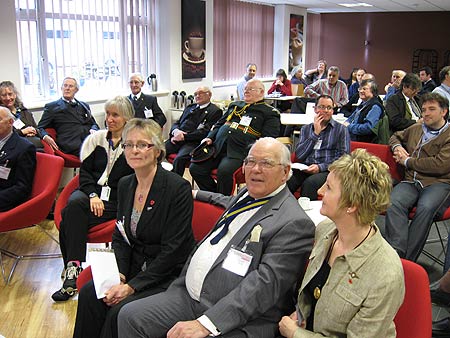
x: 243, y: 33
x: 98, y: 42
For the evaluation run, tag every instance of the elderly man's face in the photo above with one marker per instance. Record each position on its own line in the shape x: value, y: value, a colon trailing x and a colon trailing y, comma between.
x: 202, y: 96
x: 6, y: 123
x: 69, y: 89
x: 136, y: 85
x: 251, y: 71
x: 263, y: 171
x: 365, y: 92
x: 333, y: 77
x: 253, y: 92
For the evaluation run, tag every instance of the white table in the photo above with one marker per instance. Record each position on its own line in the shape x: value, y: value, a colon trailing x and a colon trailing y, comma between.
x: 303, y: 119
x: 314, y: 212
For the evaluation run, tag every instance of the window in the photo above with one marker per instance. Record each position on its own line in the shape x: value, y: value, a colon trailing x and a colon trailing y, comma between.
x: 98, y: 42
x: 243, y: 33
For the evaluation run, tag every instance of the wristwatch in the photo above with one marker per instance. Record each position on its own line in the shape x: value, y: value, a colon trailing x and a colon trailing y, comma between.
x: 92, y: 195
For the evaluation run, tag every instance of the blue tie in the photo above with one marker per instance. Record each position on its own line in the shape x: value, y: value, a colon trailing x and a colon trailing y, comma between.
x: 248, y: 203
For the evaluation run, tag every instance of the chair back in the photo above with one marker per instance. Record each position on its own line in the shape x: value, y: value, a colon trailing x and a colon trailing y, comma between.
x: 63, y: 197
x: 70, y: 161
x: 384, y: 153
x: 204, y: 218
x: 43, y: 193
x: 413, y: 319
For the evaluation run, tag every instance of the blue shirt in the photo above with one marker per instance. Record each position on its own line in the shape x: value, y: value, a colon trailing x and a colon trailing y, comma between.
x: 335, y: 142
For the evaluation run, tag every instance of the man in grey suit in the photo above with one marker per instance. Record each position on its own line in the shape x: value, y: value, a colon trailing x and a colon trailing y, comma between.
x: 242, y: 276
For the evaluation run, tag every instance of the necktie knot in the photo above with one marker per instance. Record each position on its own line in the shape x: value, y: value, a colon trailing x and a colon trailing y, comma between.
x: 135, y: 98
x: 246, y: 204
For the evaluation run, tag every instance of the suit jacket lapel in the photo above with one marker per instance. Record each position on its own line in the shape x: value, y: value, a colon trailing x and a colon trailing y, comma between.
x: 265, y: 211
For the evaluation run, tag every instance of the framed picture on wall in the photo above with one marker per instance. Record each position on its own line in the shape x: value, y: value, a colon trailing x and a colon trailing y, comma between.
x: 193, y: 39
x: 295, y: 40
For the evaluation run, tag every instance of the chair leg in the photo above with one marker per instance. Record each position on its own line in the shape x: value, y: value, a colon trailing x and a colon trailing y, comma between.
x: 17, y: 258
x: 441, y: 239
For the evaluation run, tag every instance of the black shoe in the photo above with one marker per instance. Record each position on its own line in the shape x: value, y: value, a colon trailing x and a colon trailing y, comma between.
x: 440, y: 297
x: 69, y: 288
x: 441, y: 328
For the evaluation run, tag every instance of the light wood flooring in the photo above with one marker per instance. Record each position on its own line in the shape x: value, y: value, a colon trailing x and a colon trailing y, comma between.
x: 26, y: 308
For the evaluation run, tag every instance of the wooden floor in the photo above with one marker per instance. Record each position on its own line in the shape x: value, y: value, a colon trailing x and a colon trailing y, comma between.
x: 26, y: 308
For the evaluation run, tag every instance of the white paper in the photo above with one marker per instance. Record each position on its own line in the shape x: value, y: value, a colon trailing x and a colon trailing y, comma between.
x: 299, y: 166
x: 310, y: 109
x: 105, y: 272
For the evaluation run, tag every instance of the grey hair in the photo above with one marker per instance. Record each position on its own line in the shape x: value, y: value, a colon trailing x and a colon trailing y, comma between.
x: 296, y: 69
x: 138, y: 75
x: 72, y: 78
x: 8, y: 112
x: 334, y: 69
x: 123, y: 105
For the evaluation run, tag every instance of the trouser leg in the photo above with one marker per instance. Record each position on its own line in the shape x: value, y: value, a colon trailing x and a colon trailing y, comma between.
x: 153, y: 316
x: 403, y: 197
x: 201, y: 173
x: 225, y: 172
x: 312, y: 184
x: 430, y: 201
x: 296, y: 180
x: 183, y: 159
x: 77, y: 218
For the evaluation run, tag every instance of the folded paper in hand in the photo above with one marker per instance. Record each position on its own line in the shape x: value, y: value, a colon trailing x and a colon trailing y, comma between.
x: 299, y: 166
x: 105, y: 272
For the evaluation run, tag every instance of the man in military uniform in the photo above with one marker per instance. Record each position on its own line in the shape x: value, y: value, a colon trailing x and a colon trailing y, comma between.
x: 243, y: 123
x: 193, y: 125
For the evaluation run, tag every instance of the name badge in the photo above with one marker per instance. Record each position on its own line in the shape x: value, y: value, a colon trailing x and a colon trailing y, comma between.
x: 106, y: 191
x: 318, y: 144
x: 148, y: 113
x: 4, y: 172
x: 18, y: 124
x: 245, y: 121
x: 237, y: 262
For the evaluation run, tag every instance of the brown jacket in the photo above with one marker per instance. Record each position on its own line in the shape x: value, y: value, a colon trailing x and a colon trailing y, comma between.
x: 429, y: 163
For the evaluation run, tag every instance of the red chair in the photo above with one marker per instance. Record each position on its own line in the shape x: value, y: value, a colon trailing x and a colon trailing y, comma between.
x: 101, y: 233
x: 238, y: 178
x: 45, y: 186
x: 204, y: 217
x: 70, y: 161
x: 413, y: 319
x: 384, y: 153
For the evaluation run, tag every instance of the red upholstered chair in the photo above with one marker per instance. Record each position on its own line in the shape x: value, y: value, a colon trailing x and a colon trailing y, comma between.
x: 45, y: 186
x: 70, y: 161
x: 204, y: 217
x: 238, y: 178
x: 101, y: 233
x: 384, y: 153
x: 413, y: 319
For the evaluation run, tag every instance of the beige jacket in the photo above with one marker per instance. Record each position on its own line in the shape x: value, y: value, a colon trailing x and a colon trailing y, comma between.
x: 364, y: 290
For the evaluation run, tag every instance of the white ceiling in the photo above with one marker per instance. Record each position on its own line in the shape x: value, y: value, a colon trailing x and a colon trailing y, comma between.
x: 332, y: 6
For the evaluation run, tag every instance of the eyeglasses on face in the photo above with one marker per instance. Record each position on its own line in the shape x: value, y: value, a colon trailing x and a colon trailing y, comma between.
x: 199, y: 93
x: 251, y: 89
x: 250, y: 162
x: 140, y: 146
x: 321, y: 107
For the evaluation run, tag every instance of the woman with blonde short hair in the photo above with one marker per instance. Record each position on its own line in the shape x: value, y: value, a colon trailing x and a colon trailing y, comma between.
x: 354, y: 283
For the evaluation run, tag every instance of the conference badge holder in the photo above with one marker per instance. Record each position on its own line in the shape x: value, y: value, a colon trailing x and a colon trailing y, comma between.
x: 237, y: 261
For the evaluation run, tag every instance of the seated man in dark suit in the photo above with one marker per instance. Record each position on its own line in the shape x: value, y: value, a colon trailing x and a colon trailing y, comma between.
x: 191, y: 128
x: 72, y: 120
x: 240, y: 280
x: 402, y: 108
x: 243, y: 123
x: 428, y: 83
x: 145, y: 106
x: 17, y: 164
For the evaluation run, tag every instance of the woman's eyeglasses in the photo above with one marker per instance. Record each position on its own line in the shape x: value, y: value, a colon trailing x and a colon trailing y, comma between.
x: 139, y: 146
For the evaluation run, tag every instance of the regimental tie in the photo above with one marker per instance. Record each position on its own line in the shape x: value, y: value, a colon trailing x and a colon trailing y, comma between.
x: 246, y: 204
x: 135, y: 98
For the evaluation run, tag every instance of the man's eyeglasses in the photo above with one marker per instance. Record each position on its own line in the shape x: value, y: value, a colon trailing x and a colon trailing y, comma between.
x: 251, y: 89
x: 199, y: 93
x: 140, y: 146
x: 324, y: 107
x: 250, y: 162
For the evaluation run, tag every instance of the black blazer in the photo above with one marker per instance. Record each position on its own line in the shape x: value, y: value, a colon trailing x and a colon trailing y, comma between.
x: 151, y: 103
x: 164, y: 234
x: 197, y: 122
x: 71, y: 128
x: 396, y: 112
x: 19, y: 155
